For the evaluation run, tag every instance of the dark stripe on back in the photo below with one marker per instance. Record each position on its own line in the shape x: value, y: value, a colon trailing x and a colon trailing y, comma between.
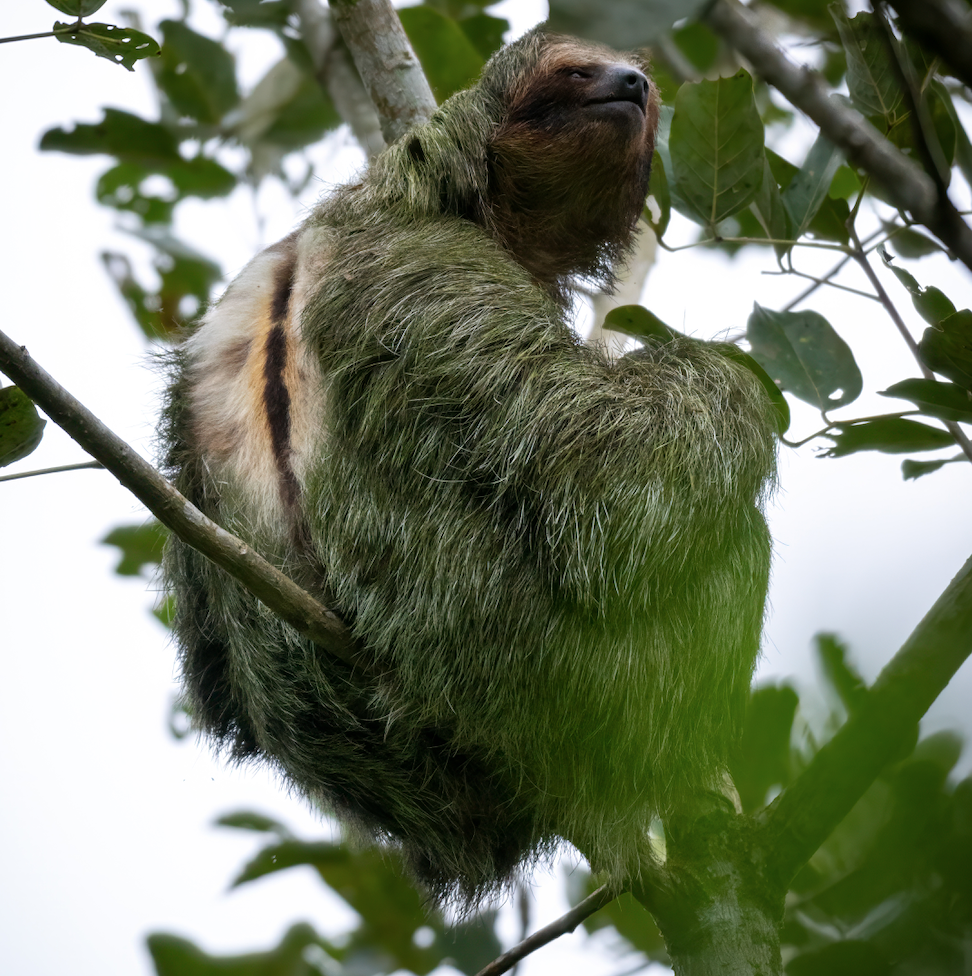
x: 276, y: 399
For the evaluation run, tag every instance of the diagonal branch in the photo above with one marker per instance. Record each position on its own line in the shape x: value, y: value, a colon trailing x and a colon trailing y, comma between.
x: 944, y: 27
x: 907, y: 185
x: 798, y: 822
x: 561, y: 926
x: 278, y: 592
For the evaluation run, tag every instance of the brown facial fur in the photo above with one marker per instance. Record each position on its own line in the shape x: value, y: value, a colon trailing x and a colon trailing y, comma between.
x: 569, y: 173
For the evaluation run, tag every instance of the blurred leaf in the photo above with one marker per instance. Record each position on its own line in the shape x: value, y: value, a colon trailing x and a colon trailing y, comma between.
x: 697, y: 42
x: 813, y: 11
x: 839, y: 673
x: 912, y: 470
x: 872, y: 79
x: 848, y: 958
x: 659, y: 193
x: 623, y: 24
x: 769, y: 209
x: 77, y: 8
x: 449, y: 59
x: 804, y: 356
x: 845, y: 184
x: 809, y: 188
x: 890, y: 435
x: 716, y: 145
x: 638, y: 321
x: 931, y: 303
x: 120, y: 45
x: 141, y: 546
x: 257, y: 13
x: 249, y: 820
x: 121, y: 134
x: 909, y: 243
x: 164, y: 612
x: 947, y: 349
x: 762, y: 760
x: 21, y: 427
x: 629, y: 918
x: 946, y: 401
x: 175, y: 956
x: 485, y: 32
x: 197, y: 74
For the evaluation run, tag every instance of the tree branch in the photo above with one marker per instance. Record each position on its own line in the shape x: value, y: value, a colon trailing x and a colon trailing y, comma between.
x: 944, y: 27
x: 386, y: 62
x: 802, y: 817
x: 908, y: 186
x: 566, y: 923
x: 278, y: 592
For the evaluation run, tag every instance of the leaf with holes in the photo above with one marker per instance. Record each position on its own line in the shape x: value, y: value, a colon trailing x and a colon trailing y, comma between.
x: 805, y: 356
x: 716, y: 147
x: 120, y: 45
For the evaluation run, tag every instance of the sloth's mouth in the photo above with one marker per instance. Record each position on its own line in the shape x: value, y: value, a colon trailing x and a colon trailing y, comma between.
x: 621, y: 100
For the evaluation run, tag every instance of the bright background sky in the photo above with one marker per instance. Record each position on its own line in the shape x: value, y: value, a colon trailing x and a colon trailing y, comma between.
x: 106, y: 821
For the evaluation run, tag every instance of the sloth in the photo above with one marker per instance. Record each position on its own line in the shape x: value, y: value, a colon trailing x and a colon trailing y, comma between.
x: 556, y: 563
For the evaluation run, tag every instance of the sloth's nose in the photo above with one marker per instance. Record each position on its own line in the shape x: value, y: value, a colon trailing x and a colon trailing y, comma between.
x: 627, y: 84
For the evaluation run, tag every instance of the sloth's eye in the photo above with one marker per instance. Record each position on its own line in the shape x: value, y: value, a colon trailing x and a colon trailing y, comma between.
x: 578, y: 73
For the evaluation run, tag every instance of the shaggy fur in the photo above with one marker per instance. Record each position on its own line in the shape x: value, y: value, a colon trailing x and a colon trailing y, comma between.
x: 558, y: 563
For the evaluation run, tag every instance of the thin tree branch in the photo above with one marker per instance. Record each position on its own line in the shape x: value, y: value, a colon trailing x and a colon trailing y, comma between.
x: 278, y: 592
x: 336, y: 74
x: 61, y: 467
x: 943, y: 26
x: 802, y: 817
x: 386, y: 63
x: 908, y: 186
x: 566, y: 923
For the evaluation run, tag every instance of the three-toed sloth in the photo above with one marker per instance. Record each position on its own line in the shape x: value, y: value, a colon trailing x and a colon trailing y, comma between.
x: 556, y: 563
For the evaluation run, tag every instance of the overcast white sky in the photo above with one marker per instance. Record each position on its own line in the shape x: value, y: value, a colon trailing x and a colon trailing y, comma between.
x: 106, y: 822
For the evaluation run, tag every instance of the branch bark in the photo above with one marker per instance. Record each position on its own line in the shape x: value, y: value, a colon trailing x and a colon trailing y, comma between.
x: 386, y: 62
x: 801, y: 818
x: 908, y: 186
x: 944, y: 27
x: 278, y: 592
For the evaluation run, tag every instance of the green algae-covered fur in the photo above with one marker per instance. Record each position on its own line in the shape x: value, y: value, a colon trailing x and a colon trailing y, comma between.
x: 557, y: 563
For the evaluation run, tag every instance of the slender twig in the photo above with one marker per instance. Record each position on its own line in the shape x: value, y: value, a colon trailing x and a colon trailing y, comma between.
x: 817, y: 282
x: 57, y: 470
x: 804, y: 815
x: 945, y: 27
x: 906, y: 183
x: 386, y: 62
x: 563, y: 925
x: 70, y: 29
x: 961, y: 438
x: 279, y: 593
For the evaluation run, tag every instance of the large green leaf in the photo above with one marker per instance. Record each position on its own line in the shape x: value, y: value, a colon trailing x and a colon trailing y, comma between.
x: 931, y: 303
x: 21, y: 427
x: 623, y: 24
x: 945, y: 401
x: 77, y: 8
x: 121, y: 134
x: 197, y: 73
x: 716, y: 146
x: 947, y: 349
x: 140, y: 546
x: 120, y: 45
x: 890, y: 435
x: 805, y: 356
x: 871, y: 75
x: 449, y: 59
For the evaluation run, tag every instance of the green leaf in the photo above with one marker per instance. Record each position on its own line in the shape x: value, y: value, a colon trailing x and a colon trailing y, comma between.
x: 947, y: 349
x: 890, y: 435
x: 845, y: 184
x: 658, y: 206
x: 257, y: 13
x: 141, y: 546
x: 77, y: 8
x: 809, y: 188
x: 716, y: 146
x: 449, y: 59
x: 699, y: 44
x: 21, y: 427
x: 838, y: 672
x: 762, y: 759
x: 769, y: 210
x: 197, y: 74
x: 848, y: 958
x: 931, y: 303
x: 804, y: 356
x: 623, y: 24
x: 122, y: 134
x: 871, y: 77
x: 945, y: 401
x: 912, y: 470
x: 485, y: 32
x: 638, y: 321
x: 248, y: 820
x: 910, y: 243
x: 120, y: 45
x: 175, y: 956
